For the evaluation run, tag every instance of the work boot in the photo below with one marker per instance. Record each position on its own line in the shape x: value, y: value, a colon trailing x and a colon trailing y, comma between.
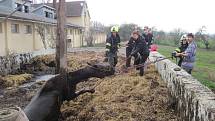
x: 105, y: 59
x: 141, y: 71
x: 128, y: 63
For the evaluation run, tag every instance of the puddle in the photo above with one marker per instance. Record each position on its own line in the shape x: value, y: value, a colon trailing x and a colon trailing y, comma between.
x: 36, y: 79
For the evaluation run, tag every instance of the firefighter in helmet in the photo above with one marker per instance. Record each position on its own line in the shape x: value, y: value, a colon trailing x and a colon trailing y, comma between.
x: 181, y: 49
x: 112, y: 46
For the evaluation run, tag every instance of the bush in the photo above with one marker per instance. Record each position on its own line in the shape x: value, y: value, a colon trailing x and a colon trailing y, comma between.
x: 212, y: 44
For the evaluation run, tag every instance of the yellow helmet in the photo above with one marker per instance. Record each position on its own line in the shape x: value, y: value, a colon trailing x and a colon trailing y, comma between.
x: 115, y: 29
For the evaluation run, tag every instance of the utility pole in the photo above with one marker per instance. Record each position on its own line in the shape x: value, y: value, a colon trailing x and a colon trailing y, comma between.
x: 61, y: 48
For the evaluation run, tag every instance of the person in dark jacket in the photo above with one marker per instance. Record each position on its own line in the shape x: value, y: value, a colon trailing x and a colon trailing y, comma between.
x: 129, y: 48
x: 140, y: 51
x: 148, y: 36
x: 112, y: 46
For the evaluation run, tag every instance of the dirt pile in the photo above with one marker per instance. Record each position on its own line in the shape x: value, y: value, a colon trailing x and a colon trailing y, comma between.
x: 14, y: 80
x: 126, y: 97
x: 76, y: 60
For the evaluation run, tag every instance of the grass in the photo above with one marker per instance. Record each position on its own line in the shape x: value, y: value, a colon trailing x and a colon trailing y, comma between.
x: 204, y: 69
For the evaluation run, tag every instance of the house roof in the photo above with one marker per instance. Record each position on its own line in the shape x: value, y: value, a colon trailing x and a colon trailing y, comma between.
x: 38, y: 6
x: 31, y: 17
x: 74, y: 25
x: 25, y: 16
x: 73, y: 9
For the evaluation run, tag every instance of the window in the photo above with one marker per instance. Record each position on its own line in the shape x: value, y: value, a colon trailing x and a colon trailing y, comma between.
x: 49, y: 15
x: 26, y: 9
x: 15, y: 28
x: 28, y: 29
x: 46, y: 14
x: 69, y: 40
x: 19, y: 6
x: 1, y: 28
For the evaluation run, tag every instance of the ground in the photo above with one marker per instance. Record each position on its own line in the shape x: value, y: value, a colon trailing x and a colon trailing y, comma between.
x: 122, y: 97
x: 204, y: 67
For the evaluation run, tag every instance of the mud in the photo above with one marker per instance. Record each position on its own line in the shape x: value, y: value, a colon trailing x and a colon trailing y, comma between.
x: 123, y: 97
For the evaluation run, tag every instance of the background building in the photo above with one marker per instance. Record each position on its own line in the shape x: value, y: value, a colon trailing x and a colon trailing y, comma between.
x: 33, y: 26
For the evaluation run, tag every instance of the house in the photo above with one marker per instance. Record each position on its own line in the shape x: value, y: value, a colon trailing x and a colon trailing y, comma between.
x: 19, y: 31
x: 77, y: 13
x: 26, y: 31
x: 74, y: 31
x: 33, y: 26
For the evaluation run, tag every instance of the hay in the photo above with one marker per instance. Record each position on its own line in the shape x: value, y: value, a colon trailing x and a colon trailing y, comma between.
x: 15, y: 80
x: 126, y: 97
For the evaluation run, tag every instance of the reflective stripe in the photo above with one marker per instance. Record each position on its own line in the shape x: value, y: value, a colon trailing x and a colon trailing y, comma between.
x: 107, y: 49
x: 177, y: 50
x: 108, y: 44
x: 119, y: 46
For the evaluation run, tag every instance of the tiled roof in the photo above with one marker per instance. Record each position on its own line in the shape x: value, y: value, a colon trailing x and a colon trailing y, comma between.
x: 73, y: 9
x: 27, y: 16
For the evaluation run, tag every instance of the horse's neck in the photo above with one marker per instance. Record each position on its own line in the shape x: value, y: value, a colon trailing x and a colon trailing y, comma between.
x: 79, y: 75
x: 50, y: 104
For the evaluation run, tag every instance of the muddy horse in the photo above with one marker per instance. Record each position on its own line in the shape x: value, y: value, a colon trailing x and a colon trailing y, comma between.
x: 45, y: 105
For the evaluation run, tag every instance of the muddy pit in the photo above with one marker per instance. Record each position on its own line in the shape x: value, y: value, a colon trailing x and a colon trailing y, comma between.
x: 122, y: 97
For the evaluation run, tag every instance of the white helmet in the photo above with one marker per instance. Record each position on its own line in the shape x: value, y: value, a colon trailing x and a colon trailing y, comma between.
x: 183, y: 37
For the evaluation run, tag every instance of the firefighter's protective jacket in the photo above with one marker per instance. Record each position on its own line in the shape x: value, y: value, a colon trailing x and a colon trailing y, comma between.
x: 113, y: 43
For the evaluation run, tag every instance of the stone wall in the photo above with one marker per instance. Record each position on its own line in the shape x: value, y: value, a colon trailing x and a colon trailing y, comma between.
x: 12, y: 63
x: 192, y: 100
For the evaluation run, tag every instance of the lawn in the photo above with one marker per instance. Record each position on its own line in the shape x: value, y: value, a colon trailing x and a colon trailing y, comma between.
x: 204, y: 69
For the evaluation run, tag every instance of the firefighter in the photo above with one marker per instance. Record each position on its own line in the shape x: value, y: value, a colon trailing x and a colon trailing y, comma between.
x: 181, y: 49
x: 112, y: 46
x: 140, y: 51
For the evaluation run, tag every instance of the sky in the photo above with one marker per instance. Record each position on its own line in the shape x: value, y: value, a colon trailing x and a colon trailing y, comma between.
x: 166, y: 15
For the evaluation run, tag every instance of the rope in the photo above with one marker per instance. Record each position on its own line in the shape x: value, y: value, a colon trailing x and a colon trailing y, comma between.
x: 151, y: 62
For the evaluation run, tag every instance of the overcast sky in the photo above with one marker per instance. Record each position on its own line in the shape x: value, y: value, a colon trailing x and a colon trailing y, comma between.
x: 163, y: 14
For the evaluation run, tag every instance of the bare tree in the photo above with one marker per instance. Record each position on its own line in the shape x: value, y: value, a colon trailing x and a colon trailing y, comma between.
x: 41, y: 29
x: 61, y: 48
x: 201, y: 36
x: 176, y: 35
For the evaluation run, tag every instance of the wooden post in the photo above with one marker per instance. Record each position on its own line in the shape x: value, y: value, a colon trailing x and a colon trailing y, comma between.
x: 61, y: 48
